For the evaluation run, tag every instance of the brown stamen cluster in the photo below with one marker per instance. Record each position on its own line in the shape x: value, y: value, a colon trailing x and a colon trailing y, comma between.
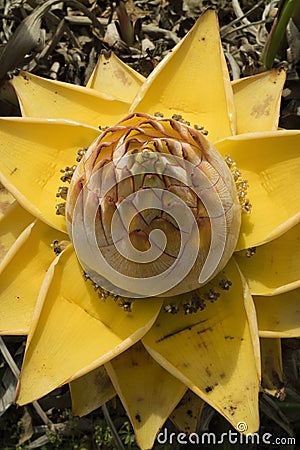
x: 198, y: 301
x: 68, y: 173
x: 241, y: 185
x: 59, y: 246
x: 250, y: 252
x: 180, y: 119
x: 103, y: 294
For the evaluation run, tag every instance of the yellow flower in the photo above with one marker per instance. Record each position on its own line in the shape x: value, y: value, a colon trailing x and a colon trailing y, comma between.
x: 151, y: 350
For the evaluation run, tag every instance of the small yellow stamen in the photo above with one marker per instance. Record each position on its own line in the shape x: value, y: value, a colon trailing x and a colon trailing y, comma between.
x: 246, y: 206
x: 81, y: 152
x: 61, y: 209
x: 59, y: 246
x: 212, y: 295
x: 201, y: 129
x: 62, y: 192
x: 180, y: 119
x: 123, y: 302
x: 126, y: 305
x: 194, y: 305
x: 68, y: 172
x: 171, y: 308
x: 225, y: 284
x: 250, y: 252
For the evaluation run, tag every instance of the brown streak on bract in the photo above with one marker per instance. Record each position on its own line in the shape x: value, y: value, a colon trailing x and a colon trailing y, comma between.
x: 189, y: 327
x: 204, y: 330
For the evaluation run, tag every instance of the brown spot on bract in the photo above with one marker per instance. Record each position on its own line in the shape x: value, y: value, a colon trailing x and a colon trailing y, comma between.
x: 222, y: 375
x: 262, y: 109
x: 120, y: 74
x: 232, y: 410
x: 208, y: 389
x: 138, y: 418
x: 13, y: 171
x: 208, y: 372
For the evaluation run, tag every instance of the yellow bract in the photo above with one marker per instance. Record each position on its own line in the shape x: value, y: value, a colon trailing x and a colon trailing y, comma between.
x: 257, y: 101
x: 148, y: 402
x: 186, y: 416
x: 281, y: 257
x: 12, y: 223
x: 33, y: 153
x: 112, y: 77
x: 91, y: 391
x: 270, y: 162
x: 272, y: 379
x: 181, y: 83
x: 279, y: 315
x: 30, y: 257
x: 97, y: 330
x: 47, y: 98
x: 229, y: 381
